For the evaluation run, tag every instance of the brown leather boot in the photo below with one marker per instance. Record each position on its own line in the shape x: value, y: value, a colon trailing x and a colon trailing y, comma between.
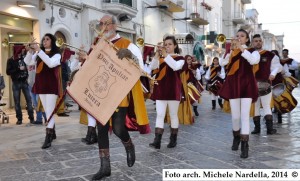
x: 213, y: 104
x: 244, y: 146
x: 195, y: 110
x: 173, y: 138
x: 105, y: 169
x: 157, y: 140
x: 269, y: 124
x: 48, y: 138
x: 256, y: 121
x: 220, y: 103
x: 54, y: 133
x: 91, y: 136
x: 236, y: 140
x: 130, y: 151
x: 279, y: 118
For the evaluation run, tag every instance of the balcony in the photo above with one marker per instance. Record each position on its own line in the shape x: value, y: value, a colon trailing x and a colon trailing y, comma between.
x: 196, y: 19
x: 171, y: 7
x: 127, y: 7
x: 246, y: 1
x: 239, y: 18
x: 184, y: 38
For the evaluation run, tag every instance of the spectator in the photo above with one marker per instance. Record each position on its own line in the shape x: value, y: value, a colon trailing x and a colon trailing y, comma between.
x: 18, y: 72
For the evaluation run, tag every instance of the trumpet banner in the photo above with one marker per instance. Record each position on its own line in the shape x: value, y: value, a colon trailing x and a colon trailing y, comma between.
x: 103, y: 81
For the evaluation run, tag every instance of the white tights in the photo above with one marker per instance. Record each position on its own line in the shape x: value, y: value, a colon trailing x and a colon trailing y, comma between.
x: 91, y: 120
x: 161, y: 107
x: 240, y: 112
x: 265, y: 101
x: 49, y: 102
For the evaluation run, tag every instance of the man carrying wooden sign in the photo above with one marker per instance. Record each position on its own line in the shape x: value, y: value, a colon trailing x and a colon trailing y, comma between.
x: 107, y: 86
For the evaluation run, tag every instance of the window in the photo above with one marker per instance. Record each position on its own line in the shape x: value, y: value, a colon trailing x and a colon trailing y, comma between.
x: 126, y: 2
x: 62, y: 12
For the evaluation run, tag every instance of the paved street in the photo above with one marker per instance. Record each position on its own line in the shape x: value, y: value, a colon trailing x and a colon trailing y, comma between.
x: 206, y: 144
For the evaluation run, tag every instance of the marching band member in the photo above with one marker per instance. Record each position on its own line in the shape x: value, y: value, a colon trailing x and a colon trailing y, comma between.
x: 91, y: 135
x: 167, y: 93
x: 47, y: 80
x: 215, y: 72
x: 198, y: 71
x: 268, y: 68
x: 240, y: 88
x: 108, y: 26
x: 197, y: 65
x: 187, y: 75
x: 292, y: 64
x: 279, y: 79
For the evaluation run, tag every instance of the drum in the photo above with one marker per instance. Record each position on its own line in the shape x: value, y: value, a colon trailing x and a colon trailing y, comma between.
x: 291, y: 82
x: 199, y: 86
x: 193, y: 93
x: 264, y: 88
x: 283, y: 99
x: 215, y: 87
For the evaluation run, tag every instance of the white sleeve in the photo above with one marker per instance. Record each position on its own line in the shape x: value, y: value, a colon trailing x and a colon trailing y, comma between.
x: 74, y: 65
x: 202, y: 71
x: 294, y: 65
x: 222, y: 74
x: 175, y: 65
x: 147, y: 69
x: 137, y: 52
x: 207, y: 75
x: 252, y: 58
x: 224, y: 61
x: 285, y: 71
x: 30, y: 59
x: 198, y: 74
x: 154, y: 64
x: 276, y: 67
x: 50, y: 62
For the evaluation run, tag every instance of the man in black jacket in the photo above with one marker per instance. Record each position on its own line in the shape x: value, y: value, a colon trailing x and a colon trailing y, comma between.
x: 17, y: 70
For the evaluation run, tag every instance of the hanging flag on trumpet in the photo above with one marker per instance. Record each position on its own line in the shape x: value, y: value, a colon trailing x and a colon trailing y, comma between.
x: 211, y: 37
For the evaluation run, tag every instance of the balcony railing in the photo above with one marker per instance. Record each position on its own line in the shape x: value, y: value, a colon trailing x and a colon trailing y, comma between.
x: 130, y: 3
x: 127, y: 7
x: 239, y: 18
x: 171, y: 6
x: 246, y: 1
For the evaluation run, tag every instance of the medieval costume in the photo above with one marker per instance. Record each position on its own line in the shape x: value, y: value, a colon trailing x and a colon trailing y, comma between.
x: 240, y: 88
x: 167, y: 93
x: 269, y: 65
x: 48, y: 82
x: 215, y: 73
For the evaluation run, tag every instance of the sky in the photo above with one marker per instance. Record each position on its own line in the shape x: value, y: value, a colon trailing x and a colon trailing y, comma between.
x: 281, y: 17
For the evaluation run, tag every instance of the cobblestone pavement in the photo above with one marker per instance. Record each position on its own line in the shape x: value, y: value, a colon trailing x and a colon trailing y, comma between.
x: 206, y: 144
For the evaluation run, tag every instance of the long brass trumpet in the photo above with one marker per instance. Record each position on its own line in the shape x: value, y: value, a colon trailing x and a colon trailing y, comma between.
x: 60, y: 42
